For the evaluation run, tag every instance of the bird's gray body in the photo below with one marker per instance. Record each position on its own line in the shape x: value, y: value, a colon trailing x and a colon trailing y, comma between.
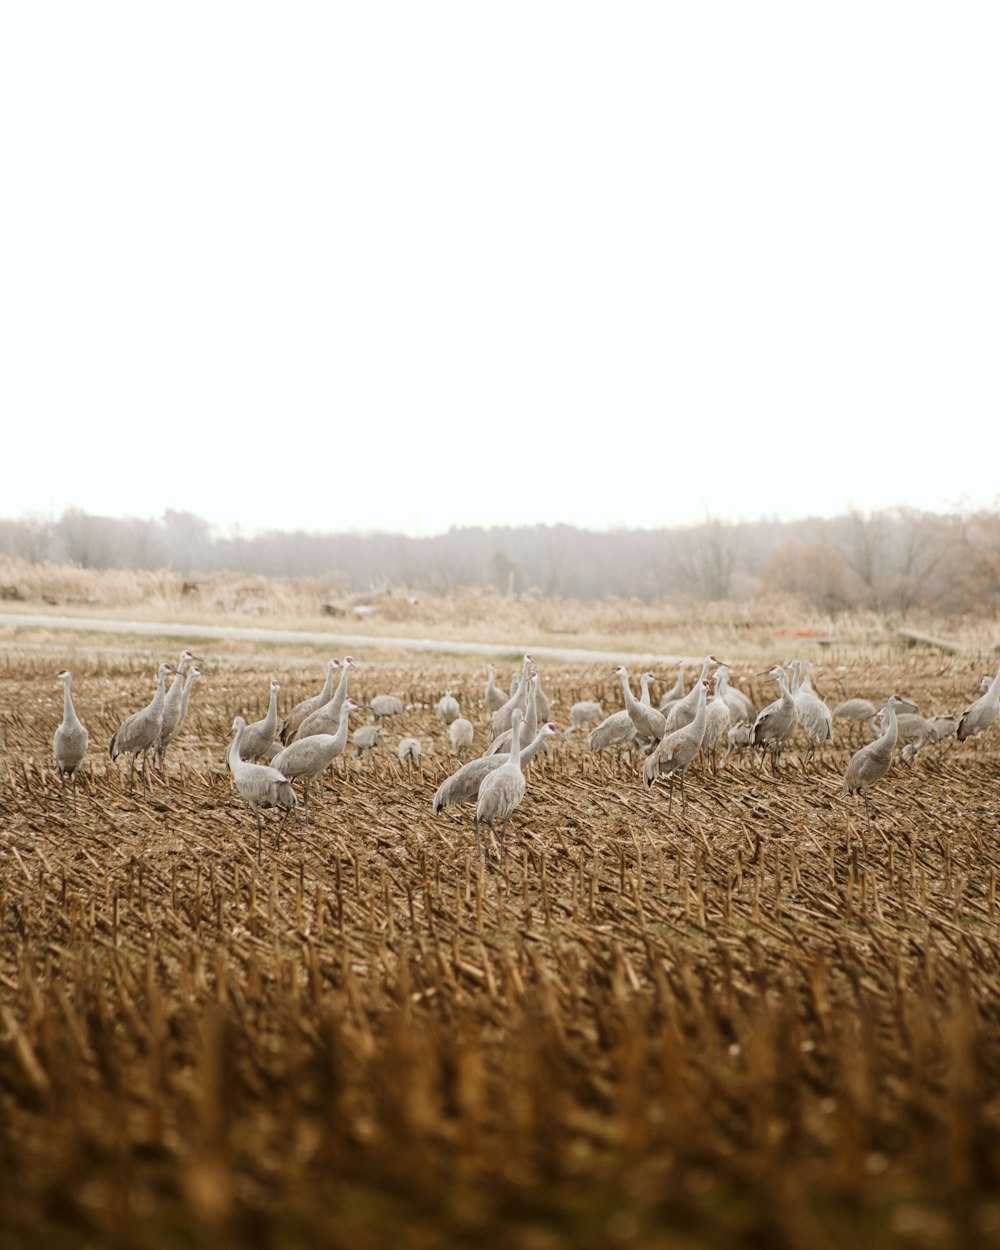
x: 325, y: 718
x: 463, y: 784
x: 776, y: 723
x: 675, y: 751
x: 495, y: 698
x: 308, y: 756
x: 461, y: 734
x: 448, y: 708
x: 69, y: 743
x: 165, y: 739
x: 262, y: 785
x: 139, y: 732
x: 502, y: 790
x: 258, y: 737
x: 683, y: 711
x: 978, y: 718
x: 649, y: 721
x: 302, y: 709
x: 172, y: 702
x: 871, y: 762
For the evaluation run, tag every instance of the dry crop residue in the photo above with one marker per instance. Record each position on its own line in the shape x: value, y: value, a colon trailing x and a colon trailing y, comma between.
x: 751, y: 1021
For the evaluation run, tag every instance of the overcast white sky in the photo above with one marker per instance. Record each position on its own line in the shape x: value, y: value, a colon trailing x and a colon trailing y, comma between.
x: 407, y: 266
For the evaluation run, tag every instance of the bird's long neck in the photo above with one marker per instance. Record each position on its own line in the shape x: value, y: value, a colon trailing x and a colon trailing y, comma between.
x: 994, y: 690
x: 786, y: 694
x: 531, y: 750
x: 186, y: 695
x: 884, y: 746
x: 157, y: 704
x: 515, y: 742
x: 678, y: 690
x: 701, y: 715
x: 327, y: 690
x: 234, y: 749
x: 337, y: 702
x: 342, y: 727
x: 69, y: 712
x: 644, y: 681
x: 530, y: 724
x: 271, y: 719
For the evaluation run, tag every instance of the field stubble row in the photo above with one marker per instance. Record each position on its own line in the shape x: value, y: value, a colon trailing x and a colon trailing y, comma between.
x: 747, y: 1020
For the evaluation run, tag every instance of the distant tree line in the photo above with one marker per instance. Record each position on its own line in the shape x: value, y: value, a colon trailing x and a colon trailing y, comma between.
x: 897, y: 560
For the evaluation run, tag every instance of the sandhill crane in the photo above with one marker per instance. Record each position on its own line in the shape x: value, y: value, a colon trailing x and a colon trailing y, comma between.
x: 501, y: 790
x: 500, y: 722
x: 69, y: 745
x: 648, y: 721
x: 447, y: 708
x: 674, y: 753
x: 172, y: 709
x: 543, y: 704
x: 307, y: 757
x: 738, y: 739
x: 616, y: 730
x: 366, y: 740
x: 857, y: 712
x: 529, y: 726
x: 140, y: 731
x: 301, y: 710
x: 717, y: 721
x: 462, y: 734
x: 944, y: 727
x: 192, y: 675
x: 814, y: 715
x: 495, y: 698
x: 463, y: 784
x: 683, y: 711
x: 262, y: 785
x: 871, y: 762
x: 775, y: 723
x: 914, y: 731
x: 740, y: 707
x: 676, y: 691
x: 584, y: 713
x: 385, y: 705
x: 978, y: 717
x: 325, y: 718
x: 258, y: 736
x: 409, y: 752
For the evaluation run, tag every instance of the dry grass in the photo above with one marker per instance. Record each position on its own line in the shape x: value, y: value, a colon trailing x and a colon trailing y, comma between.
x: 748, y: 1024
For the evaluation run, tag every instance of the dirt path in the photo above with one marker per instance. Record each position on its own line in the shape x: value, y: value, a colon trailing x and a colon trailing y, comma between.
x: 333, y: 642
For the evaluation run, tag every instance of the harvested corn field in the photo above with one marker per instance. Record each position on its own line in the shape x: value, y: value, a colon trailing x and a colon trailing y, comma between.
x: 752, y: 1021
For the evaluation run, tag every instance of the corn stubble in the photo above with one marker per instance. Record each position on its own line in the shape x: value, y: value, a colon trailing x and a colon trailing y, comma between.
x: 750, y: 1024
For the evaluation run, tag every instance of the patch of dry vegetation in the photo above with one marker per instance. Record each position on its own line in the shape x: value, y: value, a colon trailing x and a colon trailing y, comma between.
x: 748, y: 1024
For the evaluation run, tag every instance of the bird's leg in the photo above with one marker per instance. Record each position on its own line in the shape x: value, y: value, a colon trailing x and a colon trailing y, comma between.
x: 305, y: 801
x: 260, y: 834
x: 284, y: 819
x: 683, y: 799
x: 131, y: 772
x: 868, y: 811
x: 479, y: 846
x: 670, y: 795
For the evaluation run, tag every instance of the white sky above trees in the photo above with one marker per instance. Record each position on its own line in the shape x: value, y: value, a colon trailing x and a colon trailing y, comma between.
x: 406, y: 266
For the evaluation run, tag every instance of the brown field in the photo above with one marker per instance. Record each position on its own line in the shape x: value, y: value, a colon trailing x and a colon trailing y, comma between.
x: 750, y: 1024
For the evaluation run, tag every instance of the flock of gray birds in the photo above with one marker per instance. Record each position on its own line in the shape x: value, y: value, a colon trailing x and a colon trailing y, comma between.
x: 265, y: 757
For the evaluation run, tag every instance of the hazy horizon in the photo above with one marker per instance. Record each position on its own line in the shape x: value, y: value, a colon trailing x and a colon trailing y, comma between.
x: 342, y: 269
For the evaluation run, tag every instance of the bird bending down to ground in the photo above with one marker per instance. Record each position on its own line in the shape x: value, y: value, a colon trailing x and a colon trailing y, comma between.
x: 409, y: 752
x: 463, y: 784
x: 857, y: 712
x: 262, y: 785
x: 301, y: 710
x: 978, y: 717
x: 385, y: 705
x: 447, y: 708
x: 307, y: 757
x: 501, y: 790
x: 140, y: 731
x: 258, y: 736
x: 586, y: 712
x: 172, y: 702
x: 69, y: 746
x: 366, y: 740
x: 678, y: 748
x: 775, y: 723
x: 461, y: 734
x: 871, y: 762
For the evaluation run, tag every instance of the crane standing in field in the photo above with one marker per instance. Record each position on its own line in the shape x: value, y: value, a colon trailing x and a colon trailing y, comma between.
x: 678, y: 748
x: 262, y: 785
x: 172, y: 701
x: 463, y: 784
x: 141, y: 730
x: 307, y: 757
x: 257, y: 739
x: 775, y: 723
x: 69, y: 745
x: 461, y: 735
x: 856, y: 712
x: 814, y: 716
x: 448, y: 708
x: 871, y: 762
x: 302, y: 709
x: 501, y: 790
x: 495, y: 697
x: 501, y: 719
x: 193, y: 673
x: 978, y: 717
